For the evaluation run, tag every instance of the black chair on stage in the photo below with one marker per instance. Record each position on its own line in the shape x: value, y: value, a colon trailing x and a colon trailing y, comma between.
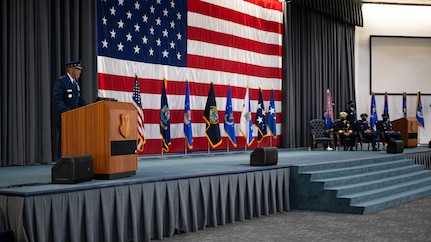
x: 319, y: 134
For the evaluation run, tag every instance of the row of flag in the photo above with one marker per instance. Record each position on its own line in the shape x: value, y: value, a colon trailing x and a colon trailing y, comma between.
x: 373, y: 110
x: 419, y: 108
x: 263, y: 122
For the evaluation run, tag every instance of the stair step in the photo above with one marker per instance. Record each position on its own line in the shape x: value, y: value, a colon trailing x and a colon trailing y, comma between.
x: 350, y: 163
x: 375, y: 184
x: 330, y: 173
x: 392, y: 200
x: 358, y: 178
x: 387, y: 191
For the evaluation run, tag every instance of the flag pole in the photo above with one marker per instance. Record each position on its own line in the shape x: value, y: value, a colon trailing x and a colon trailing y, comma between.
x: 270, y: 141
x: 185, y: 147
x: 227, y: 148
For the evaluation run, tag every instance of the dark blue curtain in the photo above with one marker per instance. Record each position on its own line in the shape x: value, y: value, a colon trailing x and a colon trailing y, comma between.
x: 39, y: 36
x: 318, y: 55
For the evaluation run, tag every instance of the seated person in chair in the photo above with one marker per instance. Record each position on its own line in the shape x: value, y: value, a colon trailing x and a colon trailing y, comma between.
x: 387, y: 129
x: 365, y: 130
x: 344, y: 130
x: 327, y: 134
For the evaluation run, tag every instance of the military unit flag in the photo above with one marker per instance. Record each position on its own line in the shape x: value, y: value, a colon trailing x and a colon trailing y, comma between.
x: 404, y: 104
x: 260, y: 118
x: 212, y: 120
x: 229, y: 124
x: 419, y: 111
x: 246, y: 125
x: 188, y: 132
x: 329, y: 117
x: 165, y: 119
x: 138, y: 105
x: 373, y: 111
x: 272, y: 118
x: 386, y: 108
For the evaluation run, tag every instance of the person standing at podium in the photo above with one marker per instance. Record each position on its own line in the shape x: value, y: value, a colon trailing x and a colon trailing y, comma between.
x: 66, y: 94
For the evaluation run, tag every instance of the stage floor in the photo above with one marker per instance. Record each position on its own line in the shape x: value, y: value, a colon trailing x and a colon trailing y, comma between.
x: 36, y: 179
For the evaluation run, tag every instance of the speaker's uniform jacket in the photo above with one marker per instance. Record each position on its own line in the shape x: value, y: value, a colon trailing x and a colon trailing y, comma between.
x: 66, y: 97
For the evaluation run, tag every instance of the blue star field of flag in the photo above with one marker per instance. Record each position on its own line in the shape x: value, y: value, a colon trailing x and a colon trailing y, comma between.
x: 152, y: 31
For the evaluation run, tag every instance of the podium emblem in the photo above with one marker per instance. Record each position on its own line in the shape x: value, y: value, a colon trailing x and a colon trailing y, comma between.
x: 125, y: 125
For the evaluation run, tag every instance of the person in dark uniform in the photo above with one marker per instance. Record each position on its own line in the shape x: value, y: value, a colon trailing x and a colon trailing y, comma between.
x: 66, y: 95
x: 345, y: 130
x: 387, y: 128
x: 364, y: 128
x: 351, y: 112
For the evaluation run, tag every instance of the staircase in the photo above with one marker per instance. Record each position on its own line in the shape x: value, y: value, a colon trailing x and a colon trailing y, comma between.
x: 359, y: 186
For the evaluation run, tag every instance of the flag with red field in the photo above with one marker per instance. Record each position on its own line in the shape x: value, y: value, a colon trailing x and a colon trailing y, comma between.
x: 232, y: 42
x: 137, y: 103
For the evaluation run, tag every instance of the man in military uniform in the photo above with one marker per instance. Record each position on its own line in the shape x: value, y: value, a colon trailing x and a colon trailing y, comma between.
x: 387, y: 129
x: 66, y: 94
x: 343, y: 130
x: 364, y: 129
x: 351, y: 112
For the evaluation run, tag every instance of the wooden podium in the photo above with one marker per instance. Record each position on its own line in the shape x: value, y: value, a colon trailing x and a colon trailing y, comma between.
x: 409, y: 129
x: 107, y: 131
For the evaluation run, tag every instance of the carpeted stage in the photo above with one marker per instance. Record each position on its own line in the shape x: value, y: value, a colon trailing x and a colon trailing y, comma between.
x: 169, y: 194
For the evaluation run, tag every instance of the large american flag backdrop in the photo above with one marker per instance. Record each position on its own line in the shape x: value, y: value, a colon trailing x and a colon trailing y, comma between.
x: 227, y: 42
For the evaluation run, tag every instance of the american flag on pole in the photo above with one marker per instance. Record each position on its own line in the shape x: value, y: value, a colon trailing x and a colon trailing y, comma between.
x: 137, y: 103
x: 237, y: 42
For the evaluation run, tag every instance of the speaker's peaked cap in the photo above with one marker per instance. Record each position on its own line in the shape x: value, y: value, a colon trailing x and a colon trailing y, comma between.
x: 76, y: 64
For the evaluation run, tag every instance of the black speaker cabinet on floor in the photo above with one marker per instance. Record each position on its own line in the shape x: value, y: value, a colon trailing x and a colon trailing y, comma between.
x: 264, y: 156
x: 73, y: 169
x: 396, y: 146
x: 6, y: 235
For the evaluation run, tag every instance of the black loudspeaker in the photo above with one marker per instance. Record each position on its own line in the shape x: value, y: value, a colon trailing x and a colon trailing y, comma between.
x: 6, y: 236
x: 264, y: 156
x: 73, y: 169
x: 396, y: 146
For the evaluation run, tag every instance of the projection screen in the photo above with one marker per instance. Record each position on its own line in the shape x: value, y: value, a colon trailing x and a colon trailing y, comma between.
x: 400, y: 64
